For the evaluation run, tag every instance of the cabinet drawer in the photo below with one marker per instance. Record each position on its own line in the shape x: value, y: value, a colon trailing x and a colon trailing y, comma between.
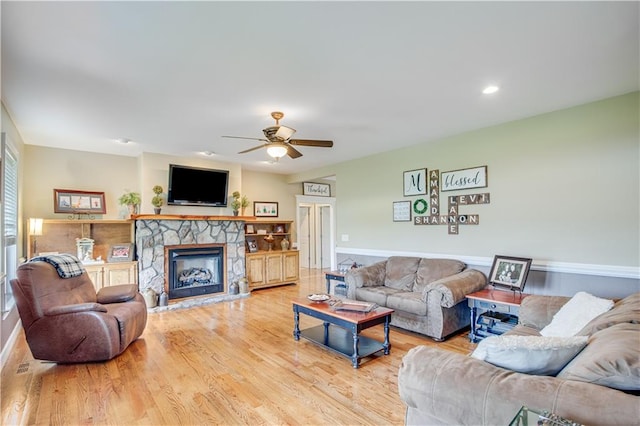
x: 496, y: 307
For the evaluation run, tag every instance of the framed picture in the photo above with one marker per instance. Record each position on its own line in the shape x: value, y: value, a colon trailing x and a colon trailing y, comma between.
x: 265, y: 209
x: 464, y: 179
x: 402, y: 211
x: 71, y: 201
x: 279, y: 229
x: 317, y: 189
x: 250, y: 229
x: 415, y: 182
x: 252, y: 245
x: 121, y: 253
x: 509, y: 272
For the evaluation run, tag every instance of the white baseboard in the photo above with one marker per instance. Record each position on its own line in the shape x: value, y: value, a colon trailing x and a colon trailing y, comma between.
x: 8, y: 348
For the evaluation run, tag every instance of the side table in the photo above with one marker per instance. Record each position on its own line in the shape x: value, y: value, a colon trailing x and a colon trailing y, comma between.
x: 340, y: 288
x: 498, y: 308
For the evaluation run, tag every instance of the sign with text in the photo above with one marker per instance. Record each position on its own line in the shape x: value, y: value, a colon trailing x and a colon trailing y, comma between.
x: 464, y: 179
x: 316, y: 189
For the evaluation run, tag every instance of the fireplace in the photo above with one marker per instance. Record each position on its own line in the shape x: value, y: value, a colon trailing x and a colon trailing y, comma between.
x: 194, y: 269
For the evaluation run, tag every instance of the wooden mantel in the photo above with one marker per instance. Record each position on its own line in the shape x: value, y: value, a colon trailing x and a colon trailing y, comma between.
x: 189, y: 217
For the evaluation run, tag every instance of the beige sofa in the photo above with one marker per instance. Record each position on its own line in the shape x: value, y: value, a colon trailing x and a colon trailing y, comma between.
x: 440, y: 387
x: 428, y: 295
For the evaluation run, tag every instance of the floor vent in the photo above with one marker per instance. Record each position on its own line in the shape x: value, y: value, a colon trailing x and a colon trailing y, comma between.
x: 23, y: 368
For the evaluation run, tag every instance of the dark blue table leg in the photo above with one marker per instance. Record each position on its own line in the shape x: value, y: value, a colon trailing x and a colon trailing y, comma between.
x: 296, y: 323
x: 356, y: 355
x: 386, y: 344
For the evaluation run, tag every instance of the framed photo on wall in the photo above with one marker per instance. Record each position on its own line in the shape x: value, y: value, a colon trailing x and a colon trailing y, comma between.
x: 265, y: 208
x: 72, y: 201
x: 402, y: 211
x: 415, y: 182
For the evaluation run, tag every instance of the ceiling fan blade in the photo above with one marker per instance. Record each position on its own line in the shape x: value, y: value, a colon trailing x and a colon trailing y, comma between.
x: 253, y: 149
x: 311, y: 142
x: 242, y: 137
x: 292, y: 152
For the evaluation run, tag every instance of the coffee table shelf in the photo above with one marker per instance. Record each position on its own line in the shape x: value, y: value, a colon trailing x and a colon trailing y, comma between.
x: 340, y: 340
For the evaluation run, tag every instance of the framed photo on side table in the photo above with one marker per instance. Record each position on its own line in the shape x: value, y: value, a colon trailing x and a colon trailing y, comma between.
x: 120, y: 253
x: 509, y: 272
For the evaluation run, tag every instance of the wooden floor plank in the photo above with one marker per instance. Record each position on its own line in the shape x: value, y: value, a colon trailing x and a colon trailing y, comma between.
x: 228, y: 363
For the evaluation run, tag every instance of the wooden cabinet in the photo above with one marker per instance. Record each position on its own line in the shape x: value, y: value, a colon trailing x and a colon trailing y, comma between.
x: 108, y: 274
x: 271, y: 268
x: 270, y: 264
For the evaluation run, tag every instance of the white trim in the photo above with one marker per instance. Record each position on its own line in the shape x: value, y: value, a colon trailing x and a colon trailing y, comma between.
x: 11, y: 342
x: 632, y: 272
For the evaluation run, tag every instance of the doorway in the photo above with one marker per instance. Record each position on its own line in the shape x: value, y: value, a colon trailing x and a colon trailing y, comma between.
x: 316, y: 231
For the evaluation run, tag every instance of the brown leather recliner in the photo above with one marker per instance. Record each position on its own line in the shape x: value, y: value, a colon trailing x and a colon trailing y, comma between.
x: 64, y: 319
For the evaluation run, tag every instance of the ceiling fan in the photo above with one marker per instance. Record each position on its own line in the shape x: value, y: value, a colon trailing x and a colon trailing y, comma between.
x: 278, y: 140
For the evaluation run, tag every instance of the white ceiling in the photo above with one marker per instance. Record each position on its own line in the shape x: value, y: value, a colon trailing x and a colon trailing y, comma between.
x: 372, y: 76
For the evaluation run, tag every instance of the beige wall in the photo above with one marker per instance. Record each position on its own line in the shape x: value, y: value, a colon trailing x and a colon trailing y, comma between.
x: 564, y: 188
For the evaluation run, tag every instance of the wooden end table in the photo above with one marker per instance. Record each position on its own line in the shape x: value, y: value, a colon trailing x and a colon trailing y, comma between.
x: 503, y: 302
x: 340, y: 330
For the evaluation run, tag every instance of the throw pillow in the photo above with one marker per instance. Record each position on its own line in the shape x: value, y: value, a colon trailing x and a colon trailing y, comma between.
x: 575, y: 314
x: 529, y: 354
x: 611, y: 359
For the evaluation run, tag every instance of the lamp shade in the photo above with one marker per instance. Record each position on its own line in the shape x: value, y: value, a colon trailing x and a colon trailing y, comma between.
x: 285, y: 132
x: 277, y: 150
x: 35, y: 226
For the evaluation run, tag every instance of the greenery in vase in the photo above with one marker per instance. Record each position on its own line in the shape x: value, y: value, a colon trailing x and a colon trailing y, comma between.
x: 239, y: 201
x: 157, y: 201
x: 130, y: 199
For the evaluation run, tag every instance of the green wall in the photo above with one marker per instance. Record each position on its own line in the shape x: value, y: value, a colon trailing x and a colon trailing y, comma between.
x: 564, y: 188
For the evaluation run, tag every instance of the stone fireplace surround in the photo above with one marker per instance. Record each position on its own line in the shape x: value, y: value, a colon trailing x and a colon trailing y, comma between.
x: 154, y: 232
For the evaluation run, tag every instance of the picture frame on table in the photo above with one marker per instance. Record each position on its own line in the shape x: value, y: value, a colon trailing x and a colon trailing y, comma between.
x: 72, y: 201
x: 279, y: 229
x: 511, y: 272
x: 252, y: 245
x: 250, y: 229
x: 265, y: 208
x: 120, y: 253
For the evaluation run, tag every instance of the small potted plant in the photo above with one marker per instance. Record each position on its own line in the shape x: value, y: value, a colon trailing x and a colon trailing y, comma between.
x: 131, y: 200
x: 236, y: 203
x: 157, y: 201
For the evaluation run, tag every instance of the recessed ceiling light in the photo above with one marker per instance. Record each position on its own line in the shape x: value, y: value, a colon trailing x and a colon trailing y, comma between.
x: 208, y: 153
x: 490, y: 89
x: 123, y: 140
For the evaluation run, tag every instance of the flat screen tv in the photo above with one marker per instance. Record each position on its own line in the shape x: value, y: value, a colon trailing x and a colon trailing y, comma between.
x: 196, y: 186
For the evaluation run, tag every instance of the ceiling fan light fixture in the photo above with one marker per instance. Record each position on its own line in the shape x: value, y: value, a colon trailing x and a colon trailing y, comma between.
x: 277, y: 150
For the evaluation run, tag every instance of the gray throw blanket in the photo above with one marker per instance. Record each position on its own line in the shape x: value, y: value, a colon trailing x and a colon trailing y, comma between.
x: 66, y: 265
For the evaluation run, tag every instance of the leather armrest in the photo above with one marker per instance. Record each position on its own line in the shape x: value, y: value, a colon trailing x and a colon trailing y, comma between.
x: 78, y: 307
x: 117, y: 293
x: 453, y: 289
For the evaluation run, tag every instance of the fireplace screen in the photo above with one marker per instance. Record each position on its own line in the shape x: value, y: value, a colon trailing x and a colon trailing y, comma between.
x: 195, y: 271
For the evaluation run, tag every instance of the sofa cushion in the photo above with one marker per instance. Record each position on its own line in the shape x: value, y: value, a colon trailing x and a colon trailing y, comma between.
x: 611, y: 359
x: 626, y: 310
x: 430, y: 270
x: 401, y: 272
x: 407, y: 302
x: 376, y: 295
x: 575, y: 314
x: 539, y: 355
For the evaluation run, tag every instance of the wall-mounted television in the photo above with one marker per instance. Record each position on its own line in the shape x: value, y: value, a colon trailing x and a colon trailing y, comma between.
x: 196, y: 186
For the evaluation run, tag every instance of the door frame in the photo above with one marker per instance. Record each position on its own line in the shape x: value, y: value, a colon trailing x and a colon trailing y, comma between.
x: 328, y: 201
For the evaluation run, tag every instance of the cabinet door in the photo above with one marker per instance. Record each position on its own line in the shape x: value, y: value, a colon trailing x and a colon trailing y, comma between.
x: 255, y: 270
x: 96, y: 275
x: 291, y: 269
x: 120, y: 273
x: 274, y: 267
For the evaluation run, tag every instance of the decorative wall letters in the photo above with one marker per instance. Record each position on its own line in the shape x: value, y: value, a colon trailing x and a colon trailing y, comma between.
x: 453, y: 180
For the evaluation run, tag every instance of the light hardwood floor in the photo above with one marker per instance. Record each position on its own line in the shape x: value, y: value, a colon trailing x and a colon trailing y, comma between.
x: 227, y: 363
